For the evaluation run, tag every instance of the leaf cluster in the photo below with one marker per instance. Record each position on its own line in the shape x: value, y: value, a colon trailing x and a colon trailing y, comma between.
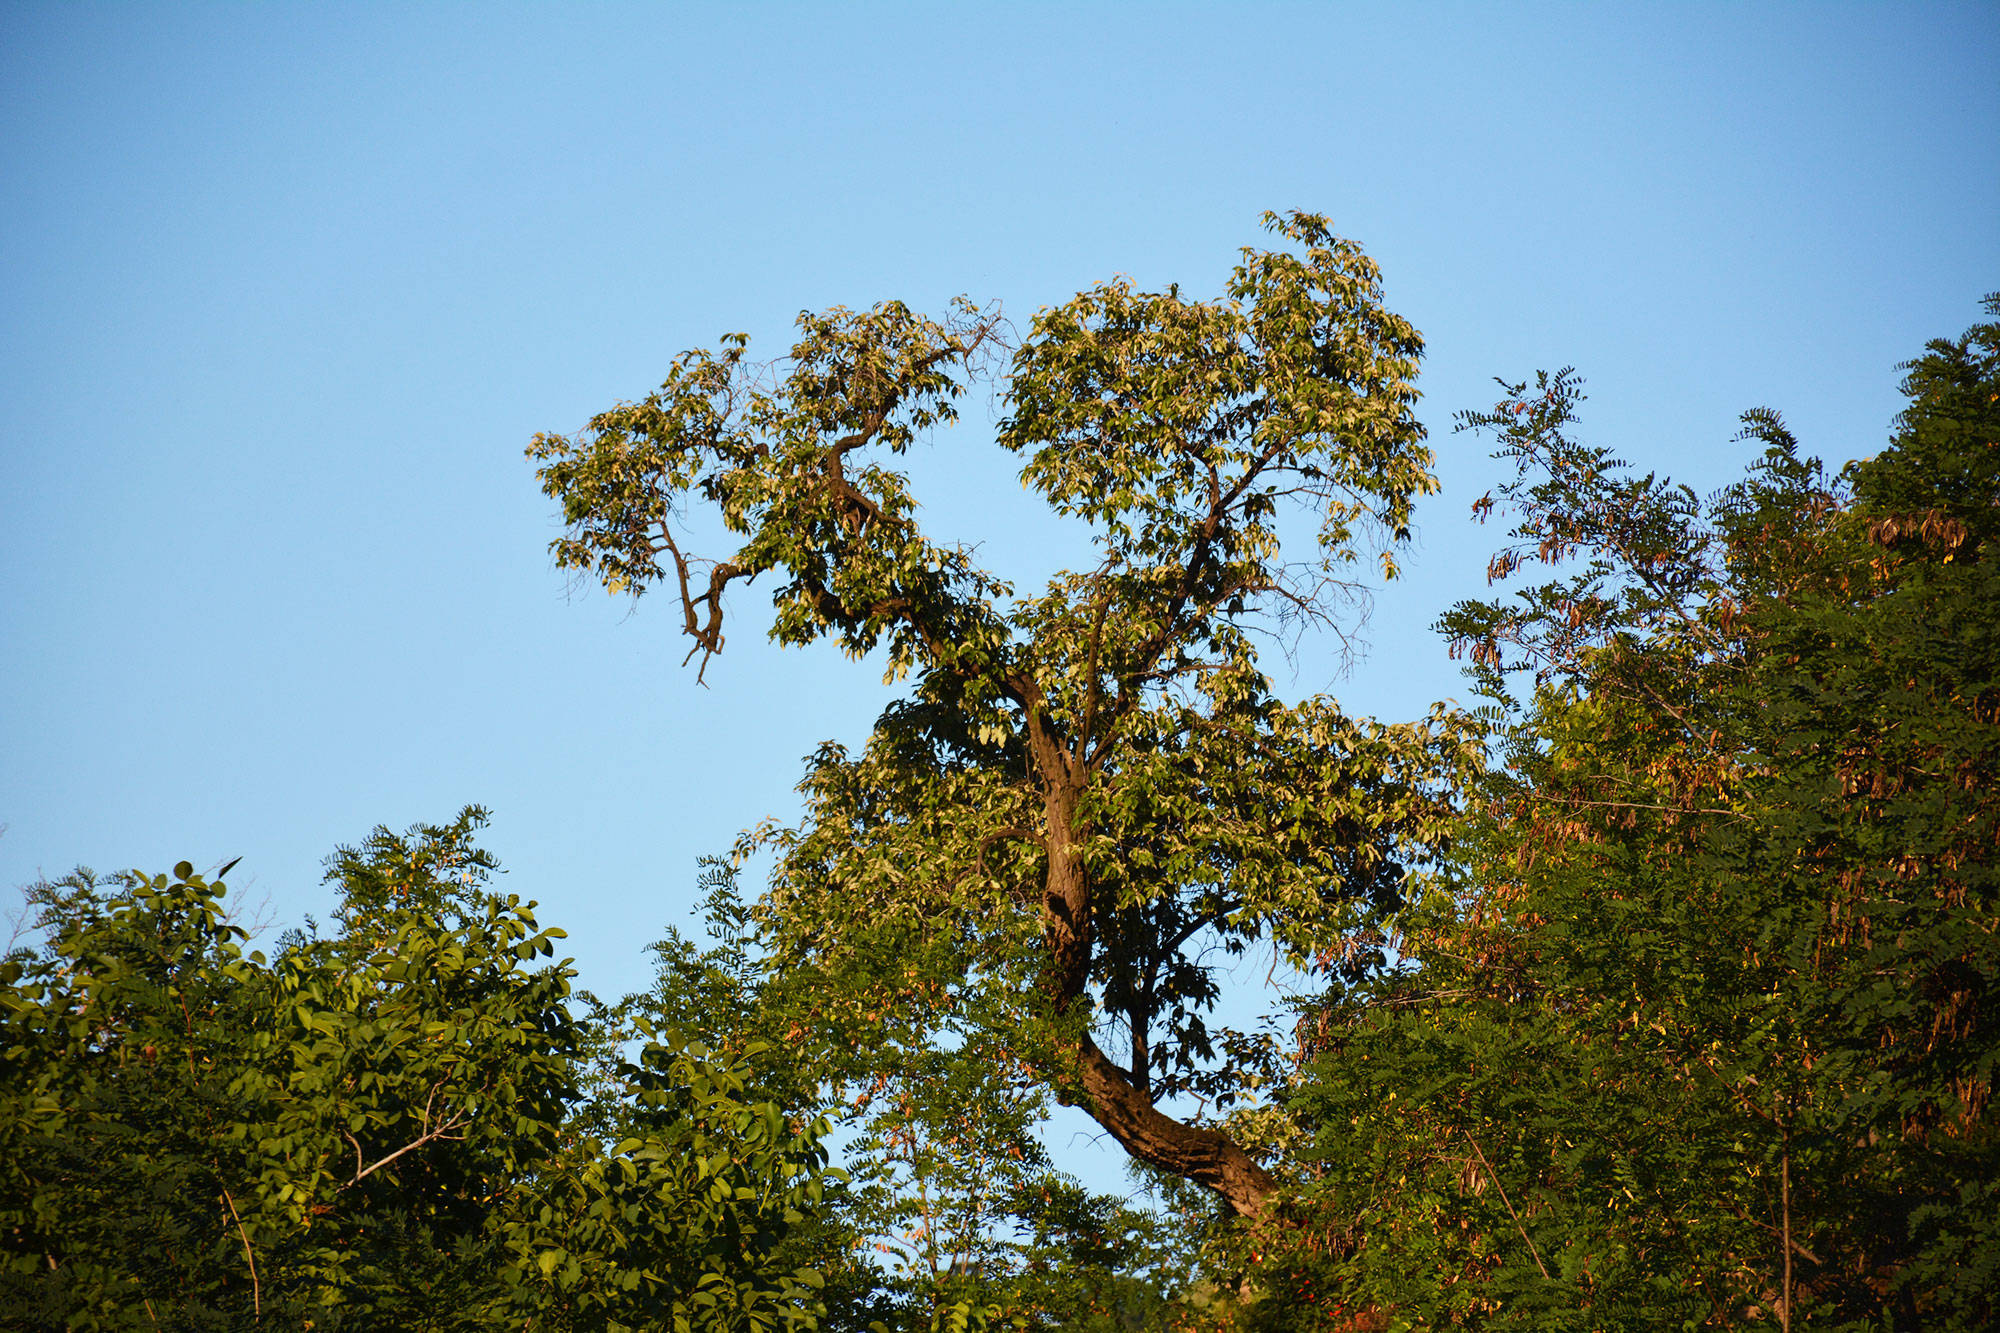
x: 1704, y: 1034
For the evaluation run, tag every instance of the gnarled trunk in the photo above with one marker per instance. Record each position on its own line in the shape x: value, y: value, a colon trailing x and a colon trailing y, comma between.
x: 1126, y: 1111
x: 1205, y: 1156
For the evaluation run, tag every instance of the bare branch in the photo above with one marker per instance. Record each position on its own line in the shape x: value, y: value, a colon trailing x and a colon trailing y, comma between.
x: 1495, y: 1178
x: 997, y: 836
x: 249, y: 1256
x: 442, y: 1132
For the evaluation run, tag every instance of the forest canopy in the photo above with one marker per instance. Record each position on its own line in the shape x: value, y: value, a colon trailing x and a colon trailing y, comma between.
x: 1657, y: 990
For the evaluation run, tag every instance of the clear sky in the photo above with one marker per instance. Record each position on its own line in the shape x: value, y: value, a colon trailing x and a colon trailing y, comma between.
x: 285, y: 289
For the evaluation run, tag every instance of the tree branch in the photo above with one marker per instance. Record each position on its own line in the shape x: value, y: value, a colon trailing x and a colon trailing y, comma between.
x: 1495, y: 1178
x: 458, y: 1119
x: 256, y: 1291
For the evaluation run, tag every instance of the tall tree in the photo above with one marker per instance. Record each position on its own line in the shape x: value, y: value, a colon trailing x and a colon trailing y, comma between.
x: 1087, y: 789
x: 1707, y: 1036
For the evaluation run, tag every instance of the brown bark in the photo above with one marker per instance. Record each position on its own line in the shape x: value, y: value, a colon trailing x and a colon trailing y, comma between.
x: 1207, y: 1157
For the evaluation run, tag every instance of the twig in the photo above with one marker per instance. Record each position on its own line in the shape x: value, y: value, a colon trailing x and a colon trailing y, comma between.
x: 1785, y: 1194
x: 1802, y: 1250
x: 443, y: 1131
x: 1641, y: 805
x: 256, y: 1292
x: 1494, y: 1176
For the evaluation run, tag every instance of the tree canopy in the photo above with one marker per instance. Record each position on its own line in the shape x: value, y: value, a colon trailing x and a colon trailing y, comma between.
x: 383, y: 1127
x: 1704, y: 1035
x: 1657, y: 991
x: 1087, y: 787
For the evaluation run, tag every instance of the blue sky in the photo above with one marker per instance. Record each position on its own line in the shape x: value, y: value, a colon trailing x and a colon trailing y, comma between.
x: 285, y: 289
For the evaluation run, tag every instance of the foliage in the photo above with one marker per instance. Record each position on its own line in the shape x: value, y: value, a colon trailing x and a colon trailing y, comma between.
x: 371, y: 1129
x: 1659, y: 993
x: 682, y: 1223
x: 1706, y: 1036
x: 948, y: 1212
x: 1089, y: 792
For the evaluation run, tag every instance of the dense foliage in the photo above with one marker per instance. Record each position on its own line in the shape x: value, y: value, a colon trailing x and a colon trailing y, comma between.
x: 1659, y: 992
x: 1707, y: 1033
x: 369, y: 1129
x: 950, y: 1209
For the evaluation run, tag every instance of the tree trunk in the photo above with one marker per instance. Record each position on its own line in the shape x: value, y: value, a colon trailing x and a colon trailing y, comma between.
x: 1205, y: 1156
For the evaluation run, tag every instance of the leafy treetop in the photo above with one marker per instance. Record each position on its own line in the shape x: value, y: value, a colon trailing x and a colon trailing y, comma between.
x: 1089, y: 788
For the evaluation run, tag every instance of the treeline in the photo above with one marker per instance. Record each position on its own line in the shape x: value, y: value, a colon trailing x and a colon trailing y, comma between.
x: 1657, y: 991
x: 411, y: 1120
x: 1703, y: 1025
